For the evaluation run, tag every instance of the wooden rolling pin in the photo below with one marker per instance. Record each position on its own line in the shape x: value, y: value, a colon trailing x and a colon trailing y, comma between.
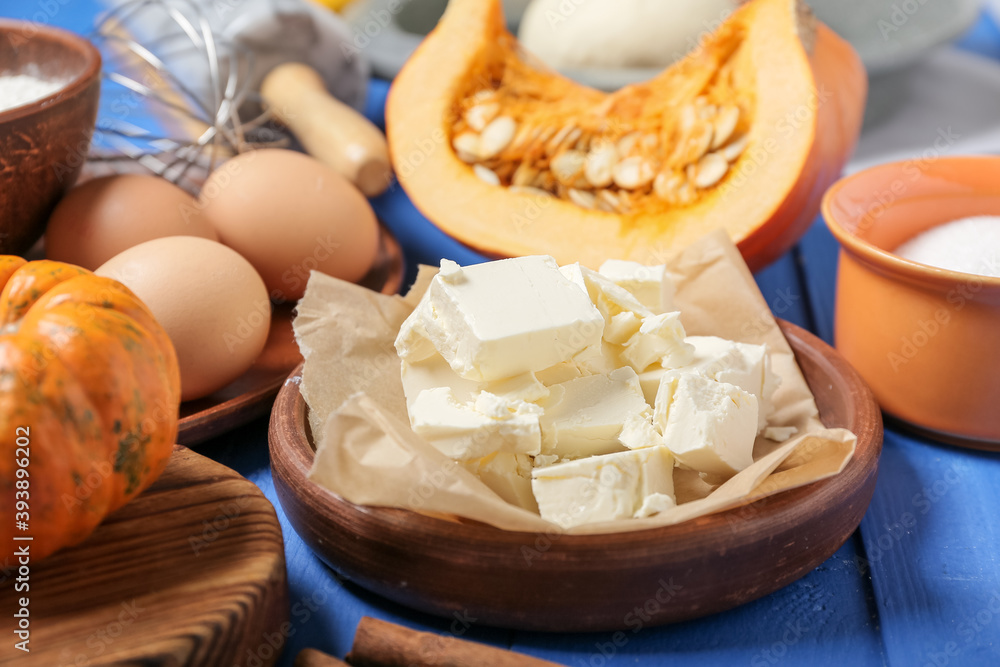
x: 329, y: 130
x: 381, y: 644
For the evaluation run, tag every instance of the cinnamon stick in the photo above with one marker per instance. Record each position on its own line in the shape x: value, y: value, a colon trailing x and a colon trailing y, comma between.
x: 381, y: 644
x: 310, y: 657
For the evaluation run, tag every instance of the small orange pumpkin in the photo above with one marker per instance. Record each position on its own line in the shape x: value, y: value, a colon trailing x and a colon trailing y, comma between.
x: 743, y: 134
x: 89, y: 397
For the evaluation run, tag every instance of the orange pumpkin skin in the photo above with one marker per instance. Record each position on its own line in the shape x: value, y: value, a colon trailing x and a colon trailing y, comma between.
x: 89, y: 380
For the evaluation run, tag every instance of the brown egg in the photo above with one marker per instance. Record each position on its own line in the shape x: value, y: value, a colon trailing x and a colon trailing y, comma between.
x: 100, y: 218
x: 210, y: 300
x: 290, y: 214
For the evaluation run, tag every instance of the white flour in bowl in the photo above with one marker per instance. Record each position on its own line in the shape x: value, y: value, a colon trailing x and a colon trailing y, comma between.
x: 969, y: 245
x: 19, y: 89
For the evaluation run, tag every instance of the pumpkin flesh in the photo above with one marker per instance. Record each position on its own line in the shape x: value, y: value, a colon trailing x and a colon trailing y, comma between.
x: 89, y: 372
x: 798, y: 116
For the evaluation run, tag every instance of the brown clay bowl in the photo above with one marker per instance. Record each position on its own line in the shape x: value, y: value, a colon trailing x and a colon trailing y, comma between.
x: 571, y: 583
x: 43, y: 144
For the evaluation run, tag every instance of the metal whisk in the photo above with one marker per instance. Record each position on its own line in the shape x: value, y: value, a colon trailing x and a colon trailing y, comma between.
x: 166, y: 68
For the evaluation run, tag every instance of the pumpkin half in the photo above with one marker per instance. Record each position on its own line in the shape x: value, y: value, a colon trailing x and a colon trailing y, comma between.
x: 89, y: 397
x: 745, y: 133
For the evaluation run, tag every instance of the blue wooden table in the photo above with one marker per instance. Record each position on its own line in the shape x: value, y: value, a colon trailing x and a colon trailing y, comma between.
x: 918, y: 584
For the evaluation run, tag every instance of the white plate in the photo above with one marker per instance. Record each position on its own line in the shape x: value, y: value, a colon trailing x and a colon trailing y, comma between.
x: 388, y: 31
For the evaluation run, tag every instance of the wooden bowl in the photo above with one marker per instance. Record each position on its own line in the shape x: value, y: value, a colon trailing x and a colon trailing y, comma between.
x: 43, y: 144
x: 924, y: 338
x: 571, y: 583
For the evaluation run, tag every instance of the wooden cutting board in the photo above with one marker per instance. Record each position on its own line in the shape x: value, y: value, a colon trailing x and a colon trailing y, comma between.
x: 192, y: 572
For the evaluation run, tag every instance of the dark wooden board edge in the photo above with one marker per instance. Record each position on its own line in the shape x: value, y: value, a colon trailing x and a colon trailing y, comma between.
x: 196, y: 563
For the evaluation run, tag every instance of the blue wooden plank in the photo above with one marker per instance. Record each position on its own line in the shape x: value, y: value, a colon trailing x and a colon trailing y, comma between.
x: 823, y: 619
x: 782, y: 287
x: 816, y: 254
x: 932, y: 546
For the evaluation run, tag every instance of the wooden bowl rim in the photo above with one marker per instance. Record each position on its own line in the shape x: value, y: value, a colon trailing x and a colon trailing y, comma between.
x: 783, y: 507
x: 71, y: 42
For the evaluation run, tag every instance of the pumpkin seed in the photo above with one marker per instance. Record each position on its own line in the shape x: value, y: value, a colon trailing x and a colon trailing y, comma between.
x: 666, y: 185
x: 486, y: 175
x: 685, y: 194
x: 581, y: 198
x: 467, y: 147
x: 696, y: 142
x: 563, y: 139
x: 496, y: 136
x: 479, y: 116
x: 525, y: 135
x: 627, y: 143
x: 724, y: 124
x: 607, y: 200
x: 600, y: 163
x: 633, y: 172
x: 711, y: 169
x: 566, y: 166
x: 483, y: 95
x: 735, y: 148
x: 523, y: 175
x: 527, y: 190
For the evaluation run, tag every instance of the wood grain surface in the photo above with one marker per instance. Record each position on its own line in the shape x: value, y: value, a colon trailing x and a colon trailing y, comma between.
x: 591, y: 582
x: 252, y: 394
x: 192, y: 572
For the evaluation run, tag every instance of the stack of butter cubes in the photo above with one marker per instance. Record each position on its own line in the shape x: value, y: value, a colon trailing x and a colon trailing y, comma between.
x: 574, y: 392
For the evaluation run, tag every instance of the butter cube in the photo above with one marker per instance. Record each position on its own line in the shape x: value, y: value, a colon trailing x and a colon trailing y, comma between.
x: 650, y: 285
x: 432, y: 372
x: 780, y: 433
x: 745, y: 365
x: 660, y: 340
x: 599, y: 359
x: 585, y: 416
x: 508, y: 475
x: 710, y: 426
x: 466, y: 316
x: 622, y: 312
x: 638, y: 432
x: 605, y: 488
x: 524, y: 387
x: 649, y: 381
x: 464, y: 431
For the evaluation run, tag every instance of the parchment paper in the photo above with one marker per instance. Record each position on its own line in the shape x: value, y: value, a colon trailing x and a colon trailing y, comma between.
x: 368, y: 454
